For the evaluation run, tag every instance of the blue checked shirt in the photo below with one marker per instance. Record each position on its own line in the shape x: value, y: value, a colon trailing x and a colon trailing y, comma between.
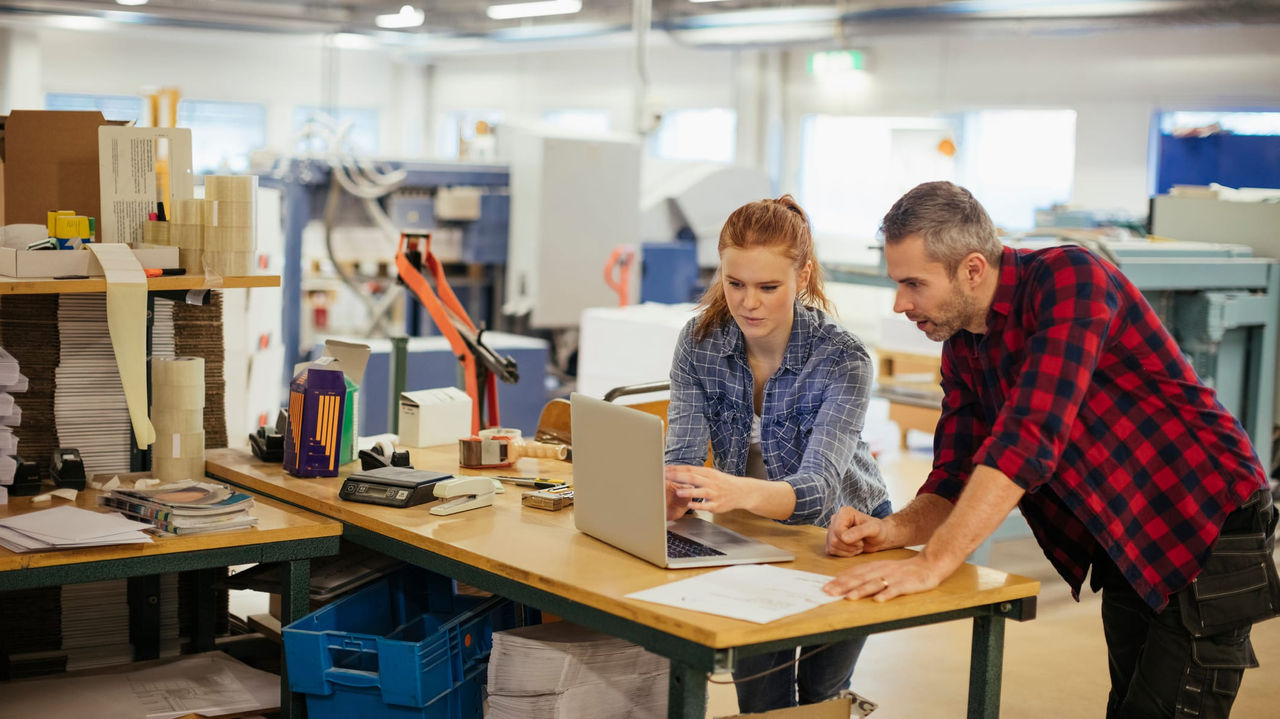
x: 811, y: 418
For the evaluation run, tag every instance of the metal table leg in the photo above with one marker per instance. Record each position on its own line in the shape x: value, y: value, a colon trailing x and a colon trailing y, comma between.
x: 294, y: 604
x: 686, y: 692
x: 986, y: 661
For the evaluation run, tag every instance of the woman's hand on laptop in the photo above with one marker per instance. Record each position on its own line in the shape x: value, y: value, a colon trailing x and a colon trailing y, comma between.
x: 719, y: 492
x: 677, y: 506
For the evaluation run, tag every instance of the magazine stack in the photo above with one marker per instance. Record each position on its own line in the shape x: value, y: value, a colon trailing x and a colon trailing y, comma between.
x: 186, y: 507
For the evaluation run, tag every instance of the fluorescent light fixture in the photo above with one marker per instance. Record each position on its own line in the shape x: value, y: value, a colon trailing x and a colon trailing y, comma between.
x: 409, y: 16
x: 1023, y: 9
x: 540, y: 8
x: 706, y: 0
x: 78, y: 22
x: 770, y: 17
x: 131, y: 3
x: 563, y: 31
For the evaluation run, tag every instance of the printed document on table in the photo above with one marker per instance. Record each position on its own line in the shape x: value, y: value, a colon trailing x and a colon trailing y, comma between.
x: 757, y: 593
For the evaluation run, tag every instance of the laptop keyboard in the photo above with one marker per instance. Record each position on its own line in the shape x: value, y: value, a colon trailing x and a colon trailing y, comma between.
x: 679, y: 547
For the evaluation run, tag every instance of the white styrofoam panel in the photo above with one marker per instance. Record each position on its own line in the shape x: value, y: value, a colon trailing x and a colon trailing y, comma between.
x: 572, y: 202
x: 621, y: 346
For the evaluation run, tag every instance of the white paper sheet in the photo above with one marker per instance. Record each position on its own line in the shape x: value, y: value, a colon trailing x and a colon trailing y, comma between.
x: 758, y: 593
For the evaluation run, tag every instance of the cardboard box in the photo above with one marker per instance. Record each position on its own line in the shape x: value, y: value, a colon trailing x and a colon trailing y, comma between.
x: 49, y: 161
x: 51, y: 263
x: 350, y: 358
x: 429, y: 417
x: 839, y: 708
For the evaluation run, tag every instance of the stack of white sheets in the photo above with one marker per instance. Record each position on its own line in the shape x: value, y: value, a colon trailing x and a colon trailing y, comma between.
x: 564, y: 671
x: 67, y: 527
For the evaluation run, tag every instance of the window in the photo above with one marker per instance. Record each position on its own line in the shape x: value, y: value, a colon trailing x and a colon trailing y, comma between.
x: 854, y: 168
x: 586, y: 122
x: 1182, y: 123
x: 223, y: 133
x: 123, y: 108
x: 360, y: 139
x: 1015, y: 161
x: 707, y: 134
x: 459, y: 127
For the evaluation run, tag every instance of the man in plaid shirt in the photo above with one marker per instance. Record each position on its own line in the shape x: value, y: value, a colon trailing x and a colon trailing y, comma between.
x: 1064, y: 395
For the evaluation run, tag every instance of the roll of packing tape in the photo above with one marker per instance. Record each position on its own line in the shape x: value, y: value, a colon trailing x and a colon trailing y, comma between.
x: 169, y: 421
x: 233, y: 188
x: 179, y: 445
x: 155, y: 232
x: 169, y: 371
x: 228, y: 239
x: 228, y: 263
x: 228, y: 213
x: 508, y: 432
x: 171, y: 470
x: 179, y: 397
x: 188, y: 212
x: 192, y: 261
x: 187, y: 237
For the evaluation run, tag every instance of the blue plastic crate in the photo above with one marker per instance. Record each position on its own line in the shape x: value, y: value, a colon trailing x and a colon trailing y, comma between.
x: 404, y: 646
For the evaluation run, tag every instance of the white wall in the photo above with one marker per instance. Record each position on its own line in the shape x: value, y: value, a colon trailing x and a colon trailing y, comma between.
x: 280, y: 71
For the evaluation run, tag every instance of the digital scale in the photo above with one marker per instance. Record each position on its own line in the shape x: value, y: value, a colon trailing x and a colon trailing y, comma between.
x: 392, y: 486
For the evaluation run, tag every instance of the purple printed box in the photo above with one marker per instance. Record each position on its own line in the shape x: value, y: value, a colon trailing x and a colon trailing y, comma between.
x: 316, y: 405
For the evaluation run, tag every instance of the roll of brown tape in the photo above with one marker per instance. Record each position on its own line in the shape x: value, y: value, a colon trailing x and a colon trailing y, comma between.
x: 178, y: 445
x: 155, y: 232
x: 228, y: 264
x: 228, y: 239
x: 228, y: 213
x: 188, y: 212
x: 181, y: 421
x: 187, y: 237
x: 171, y: 470
x: 235, y: 188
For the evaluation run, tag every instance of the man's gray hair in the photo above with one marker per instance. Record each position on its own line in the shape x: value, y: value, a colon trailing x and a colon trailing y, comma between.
x: 952, y: 223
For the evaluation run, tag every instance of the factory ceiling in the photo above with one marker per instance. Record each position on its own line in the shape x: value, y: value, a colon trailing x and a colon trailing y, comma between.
x: 753, y: 22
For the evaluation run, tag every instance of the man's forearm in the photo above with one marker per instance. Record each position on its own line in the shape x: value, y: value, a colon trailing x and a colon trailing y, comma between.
x: 916, y: 523
x: 986, y: 500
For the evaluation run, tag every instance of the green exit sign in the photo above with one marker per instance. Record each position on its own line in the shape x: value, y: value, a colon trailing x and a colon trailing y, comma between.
x: 835, y: 62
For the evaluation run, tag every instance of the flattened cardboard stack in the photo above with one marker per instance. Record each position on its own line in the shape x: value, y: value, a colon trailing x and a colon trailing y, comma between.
x: 197, y: 332
x: 564, y: 671
x: 29, y: 332
x: 88, y: 401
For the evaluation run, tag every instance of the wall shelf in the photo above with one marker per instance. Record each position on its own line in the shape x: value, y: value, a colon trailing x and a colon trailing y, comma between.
x: 50, y: 286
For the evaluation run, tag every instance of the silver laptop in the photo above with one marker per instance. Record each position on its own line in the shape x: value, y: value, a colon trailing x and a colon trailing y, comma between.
x: 619, y: 495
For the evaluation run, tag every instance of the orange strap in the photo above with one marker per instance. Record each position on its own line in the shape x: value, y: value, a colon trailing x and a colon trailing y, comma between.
x: 439, y: 312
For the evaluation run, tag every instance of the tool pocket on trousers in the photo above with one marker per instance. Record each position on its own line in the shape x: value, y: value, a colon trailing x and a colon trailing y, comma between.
x: 1237, y: 587
x: 1224, y: 657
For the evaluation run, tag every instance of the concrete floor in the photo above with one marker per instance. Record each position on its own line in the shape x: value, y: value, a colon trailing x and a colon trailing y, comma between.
x: 1054, y: 666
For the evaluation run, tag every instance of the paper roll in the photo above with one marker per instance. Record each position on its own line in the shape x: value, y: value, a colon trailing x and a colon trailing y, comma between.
x: 170, y: 421
x: 179, y: 445
x: 228, y: 213
x: 169, y: 469
x: 234, y: 188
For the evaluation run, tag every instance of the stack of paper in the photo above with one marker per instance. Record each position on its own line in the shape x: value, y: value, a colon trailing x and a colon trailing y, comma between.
x: 185, y: 507
x: 208, y: 684
x: 88, y: 403
x: 66, y: 527
x: 563, y: 671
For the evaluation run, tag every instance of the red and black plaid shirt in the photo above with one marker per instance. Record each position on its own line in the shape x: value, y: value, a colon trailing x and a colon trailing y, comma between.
x: 1079, y: 394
